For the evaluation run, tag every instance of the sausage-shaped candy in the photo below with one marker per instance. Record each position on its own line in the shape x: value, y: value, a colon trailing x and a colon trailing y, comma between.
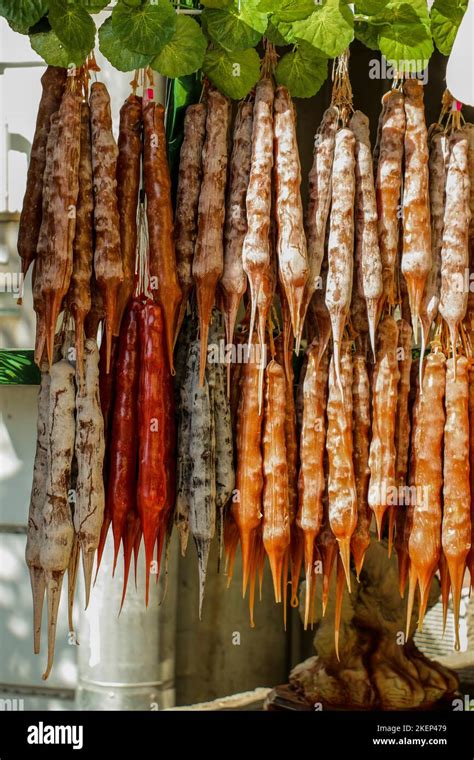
x: 382, y: 457
x: 388, y: 187
x: 311, y: 480
x: 122, y: 476
x: 108, y: 268
x: 319, y: 200
x: 416, y: 254
x: 276, y: 519
x: 247, y: 503
x: 159, y: 212
x: 425, y: 537
x: 341, y: 482
x: 233, y: 283
x: 89, y: 449
x: 52, y: 82
x: 202, y: 451
x: 153, y: 430
x: 128, y: 184
x: 45, y: 234
x: 368, y: 261
x: 208, y: 263
x: 291, y: 239
x: 402, y: 421
x: 56, y: 265
x: 187, y: 200
x: 256, y: 248
x: 456, y: 526
x: 455, y: 247
x: 341, y: 240
x: 58, y: 530
x: 35, y: 516
x: 79, y: 296
x: 438, y: 164
x: 360, y: 539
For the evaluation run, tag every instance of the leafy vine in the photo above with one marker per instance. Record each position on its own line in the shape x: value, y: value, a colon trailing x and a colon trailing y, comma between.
x: 221, y: 37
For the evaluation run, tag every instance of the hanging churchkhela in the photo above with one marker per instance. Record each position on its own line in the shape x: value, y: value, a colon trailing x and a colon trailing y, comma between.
x: 298, y: 424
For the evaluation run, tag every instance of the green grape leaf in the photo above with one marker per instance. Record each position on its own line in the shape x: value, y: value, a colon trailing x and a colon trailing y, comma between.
x: 22, y: 14
x: 329, y: 29
x: 370, y: 7
x: 94, y: 6
x: 235, y: 73
x: 235, y: 29
x: 72, y: 24
x: 51, y: 49
x: 274, y: 35
x: 184, y: 53
x: 146, y: 28
x: 446, y: 17
x: 405, y: 37
x: 217, y: 3
x: 287, y: 10
x: 115, y: 51
x: 367, y: 33
x: 302, y: 71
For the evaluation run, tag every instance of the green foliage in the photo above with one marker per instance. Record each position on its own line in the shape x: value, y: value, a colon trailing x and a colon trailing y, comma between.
x: 144, y: 28
x: 237, y: 27
x: 72, y: 25
x: 222, y: 40
x: 405, y: 36
x: 367, y: 34
x: 233, y: 73
x: 22, y: 14
x: 287, y: 10
x: 302, y: 71
x: 94, y: 6
x: 217, y: 3
x: 116, y: 53
x: 399, y: 29
x: 18, y: 368
x: 54, y: 52
x: 329, y: 29
x: 370, y: 7
x: 274, y: 35
x: 184, y: 53
x: 446, y: 17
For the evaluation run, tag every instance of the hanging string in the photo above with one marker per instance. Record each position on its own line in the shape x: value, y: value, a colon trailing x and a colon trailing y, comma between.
x: 148, y: 90
x: 398, y: 80
x: 142, y: 272
x: 135, y: 83
x: 342, y: 97
x: 269, y: 60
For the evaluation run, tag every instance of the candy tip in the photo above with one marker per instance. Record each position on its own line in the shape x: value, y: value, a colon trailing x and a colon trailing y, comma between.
x: 344, y: 553
x: 87, y: 568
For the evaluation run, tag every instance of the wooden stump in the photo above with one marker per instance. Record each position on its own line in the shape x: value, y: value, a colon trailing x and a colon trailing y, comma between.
x: 378, y: 669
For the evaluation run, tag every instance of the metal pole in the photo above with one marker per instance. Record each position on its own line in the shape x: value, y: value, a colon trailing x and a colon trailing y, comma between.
x: 127, y: 662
